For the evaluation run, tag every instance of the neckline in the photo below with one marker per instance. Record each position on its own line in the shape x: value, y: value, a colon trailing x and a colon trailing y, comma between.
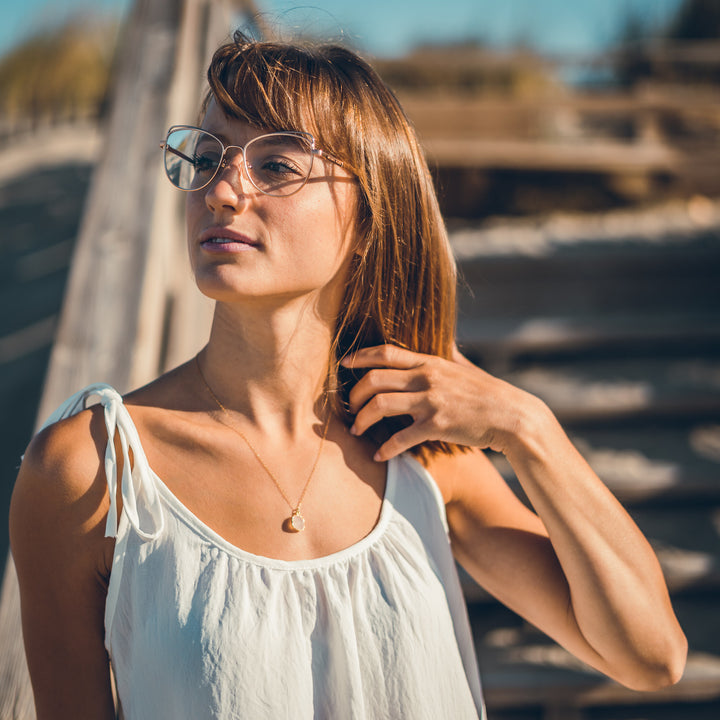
x: 204, y: 530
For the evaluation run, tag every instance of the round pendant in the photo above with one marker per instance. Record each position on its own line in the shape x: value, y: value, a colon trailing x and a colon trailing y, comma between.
x: 297, y: 521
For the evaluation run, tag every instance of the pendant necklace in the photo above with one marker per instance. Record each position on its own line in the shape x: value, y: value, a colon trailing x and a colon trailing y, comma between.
x: 296, y: 521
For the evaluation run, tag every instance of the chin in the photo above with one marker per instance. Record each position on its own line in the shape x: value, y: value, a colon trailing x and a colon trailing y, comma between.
x: 222, y: 289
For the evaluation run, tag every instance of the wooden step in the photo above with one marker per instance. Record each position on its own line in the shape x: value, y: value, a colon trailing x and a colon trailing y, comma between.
x: 685, y: 539
x: 674, y: 228
x: 521, y: 667
x: 536, y: 674
x: 43, y: 207
x: 616, y: 389
x: 653, y: 464
x: 40, y: 216
x: 591, y: 296
x: 497, y: 341
x: 605, y: 280
x: 40, y: 210
x: 666, y: 711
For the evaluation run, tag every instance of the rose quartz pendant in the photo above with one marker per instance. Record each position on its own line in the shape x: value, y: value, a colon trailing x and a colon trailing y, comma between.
x: 297, y: 521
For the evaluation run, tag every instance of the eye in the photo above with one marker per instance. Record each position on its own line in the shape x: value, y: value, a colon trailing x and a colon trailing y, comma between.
x: 278, y: 165
x: 207, y: 162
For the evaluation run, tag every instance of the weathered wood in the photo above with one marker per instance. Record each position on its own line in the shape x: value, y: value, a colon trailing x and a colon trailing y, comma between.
x: 522, y: 668
x: 495, y: 340
x: 125, y: 270
x: 592, y: 156
x: 16, y: 700
x: 561, y: 712
x: 536, y: 685
x: 661, y: 464
x: 592, y: 390
x: 103, y: 309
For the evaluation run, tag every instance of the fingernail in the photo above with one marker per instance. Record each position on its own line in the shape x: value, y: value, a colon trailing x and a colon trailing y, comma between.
x: 353, y: 430
x: 377, y: 457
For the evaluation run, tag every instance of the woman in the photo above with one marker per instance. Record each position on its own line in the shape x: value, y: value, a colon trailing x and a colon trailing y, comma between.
x: 317, y: 454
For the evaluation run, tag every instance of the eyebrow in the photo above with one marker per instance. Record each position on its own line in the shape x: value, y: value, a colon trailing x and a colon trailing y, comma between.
x: 220, y: 136
x: 273, y: 140
x: 226, y: 141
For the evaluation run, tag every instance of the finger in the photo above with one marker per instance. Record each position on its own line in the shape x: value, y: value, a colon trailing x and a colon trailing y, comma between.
x: 383, y: 356
x: 382, y: 406
x: 400, y: 442
x: 383, y: 380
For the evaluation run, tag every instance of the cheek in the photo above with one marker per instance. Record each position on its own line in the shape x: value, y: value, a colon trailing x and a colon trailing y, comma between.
x: 193, y: 209
x: 194, y: 205
x: 335, y: 221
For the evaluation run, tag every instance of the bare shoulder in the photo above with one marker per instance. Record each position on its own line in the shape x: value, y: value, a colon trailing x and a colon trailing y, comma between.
x: 453, y: 472
x: 61, y: 484
x: 64, y: 458
x: 60, y: 495
x: 476, y: 494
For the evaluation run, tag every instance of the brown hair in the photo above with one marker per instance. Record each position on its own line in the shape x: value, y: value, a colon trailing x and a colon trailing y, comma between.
x: 401, y: 284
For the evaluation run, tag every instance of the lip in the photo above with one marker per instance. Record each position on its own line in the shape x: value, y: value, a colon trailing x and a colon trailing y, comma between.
x: 236, y: 241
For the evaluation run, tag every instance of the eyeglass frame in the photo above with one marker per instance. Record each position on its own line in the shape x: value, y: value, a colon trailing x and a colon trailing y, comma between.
x: 224, y: 163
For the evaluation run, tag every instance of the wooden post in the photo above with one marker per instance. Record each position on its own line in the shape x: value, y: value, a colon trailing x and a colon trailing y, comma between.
x: 129, y: 260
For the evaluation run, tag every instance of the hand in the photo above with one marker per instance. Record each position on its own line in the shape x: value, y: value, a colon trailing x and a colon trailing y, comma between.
x: 449, y: 400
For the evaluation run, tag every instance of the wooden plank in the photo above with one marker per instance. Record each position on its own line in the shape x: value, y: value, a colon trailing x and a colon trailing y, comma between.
x: 654, y: 464
x: 523, y: 668
x: 534, y: 672
x: 114, y: 309
x: 447, y: 114
x: 16, y: 699
x: 590, y: 390
x: 543, y: 686
x: 562, y: 712
x: 495, y: 341
x: 685, y: 539
x: 590, y: 156
x: 98, y: 333
x: 607, y: 279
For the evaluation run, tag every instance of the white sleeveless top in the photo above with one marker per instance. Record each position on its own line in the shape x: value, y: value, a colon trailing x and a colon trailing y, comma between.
x: 197, y: 628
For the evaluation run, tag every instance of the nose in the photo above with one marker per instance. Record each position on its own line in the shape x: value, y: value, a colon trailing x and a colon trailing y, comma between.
x: 228, y: 188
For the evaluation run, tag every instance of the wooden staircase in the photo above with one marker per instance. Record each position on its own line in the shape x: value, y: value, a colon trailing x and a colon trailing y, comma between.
x: 616, y: 323
x: 620, y: 333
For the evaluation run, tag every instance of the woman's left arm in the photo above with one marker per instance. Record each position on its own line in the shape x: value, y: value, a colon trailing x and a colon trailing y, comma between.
x: 584, y: 574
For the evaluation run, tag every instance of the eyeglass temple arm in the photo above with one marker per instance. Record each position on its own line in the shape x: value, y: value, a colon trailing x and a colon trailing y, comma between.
x: 174, y: 151
x: 328, y: 156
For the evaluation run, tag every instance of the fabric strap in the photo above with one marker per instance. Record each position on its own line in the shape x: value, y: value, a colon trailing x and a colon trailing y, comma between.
x: 141, y: 501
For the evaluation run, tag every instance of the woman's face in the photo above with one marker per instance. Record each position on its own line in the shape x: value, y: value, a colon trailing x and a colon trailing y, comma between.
x: 247, y: 246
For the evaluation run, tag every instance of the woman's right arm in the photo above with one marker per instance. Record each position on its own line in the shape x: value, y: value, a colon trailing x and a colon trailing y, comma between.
x: 57, y: 525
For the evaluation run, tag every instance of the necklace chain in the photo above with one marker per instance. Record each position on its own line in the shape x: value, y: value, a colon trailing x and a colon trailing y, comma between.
x: 296, y: 520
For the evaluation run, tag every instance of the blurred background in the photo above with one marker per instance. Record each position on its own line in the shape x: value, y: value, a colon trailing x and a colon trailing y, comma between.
x: 576, y: 152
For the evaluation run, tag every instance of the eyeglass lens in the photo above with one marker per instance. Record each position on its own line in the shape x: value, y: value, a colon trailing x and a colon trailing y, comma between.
x: 277, y: 164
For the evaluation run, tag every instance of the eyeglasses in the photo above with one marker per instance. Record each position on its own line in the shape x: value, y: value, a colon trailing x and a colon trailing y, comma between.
x: 276, y: 164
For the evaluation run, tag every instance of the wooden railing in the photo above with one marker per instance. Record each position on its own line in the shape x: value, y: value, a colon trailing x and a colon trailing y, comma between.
x: 130, y: 309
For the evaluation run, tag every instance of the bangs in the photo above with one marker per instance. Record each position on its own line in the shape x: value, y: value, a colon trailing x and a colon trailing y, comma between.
x: 280, y: 87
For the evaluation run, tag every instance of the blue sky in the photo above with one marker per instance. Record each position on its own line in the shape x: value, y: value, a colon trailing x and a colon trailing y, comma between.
x: 391, y: 27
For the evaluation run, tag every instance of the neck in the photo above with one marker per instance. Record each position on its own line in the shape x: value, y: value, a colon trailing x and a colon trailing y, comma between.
x: 269, y: 365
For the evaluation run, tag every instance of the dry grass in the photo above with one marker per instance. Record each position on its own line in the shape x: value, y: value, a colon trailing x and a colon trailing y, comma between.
x: 57, y: 74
